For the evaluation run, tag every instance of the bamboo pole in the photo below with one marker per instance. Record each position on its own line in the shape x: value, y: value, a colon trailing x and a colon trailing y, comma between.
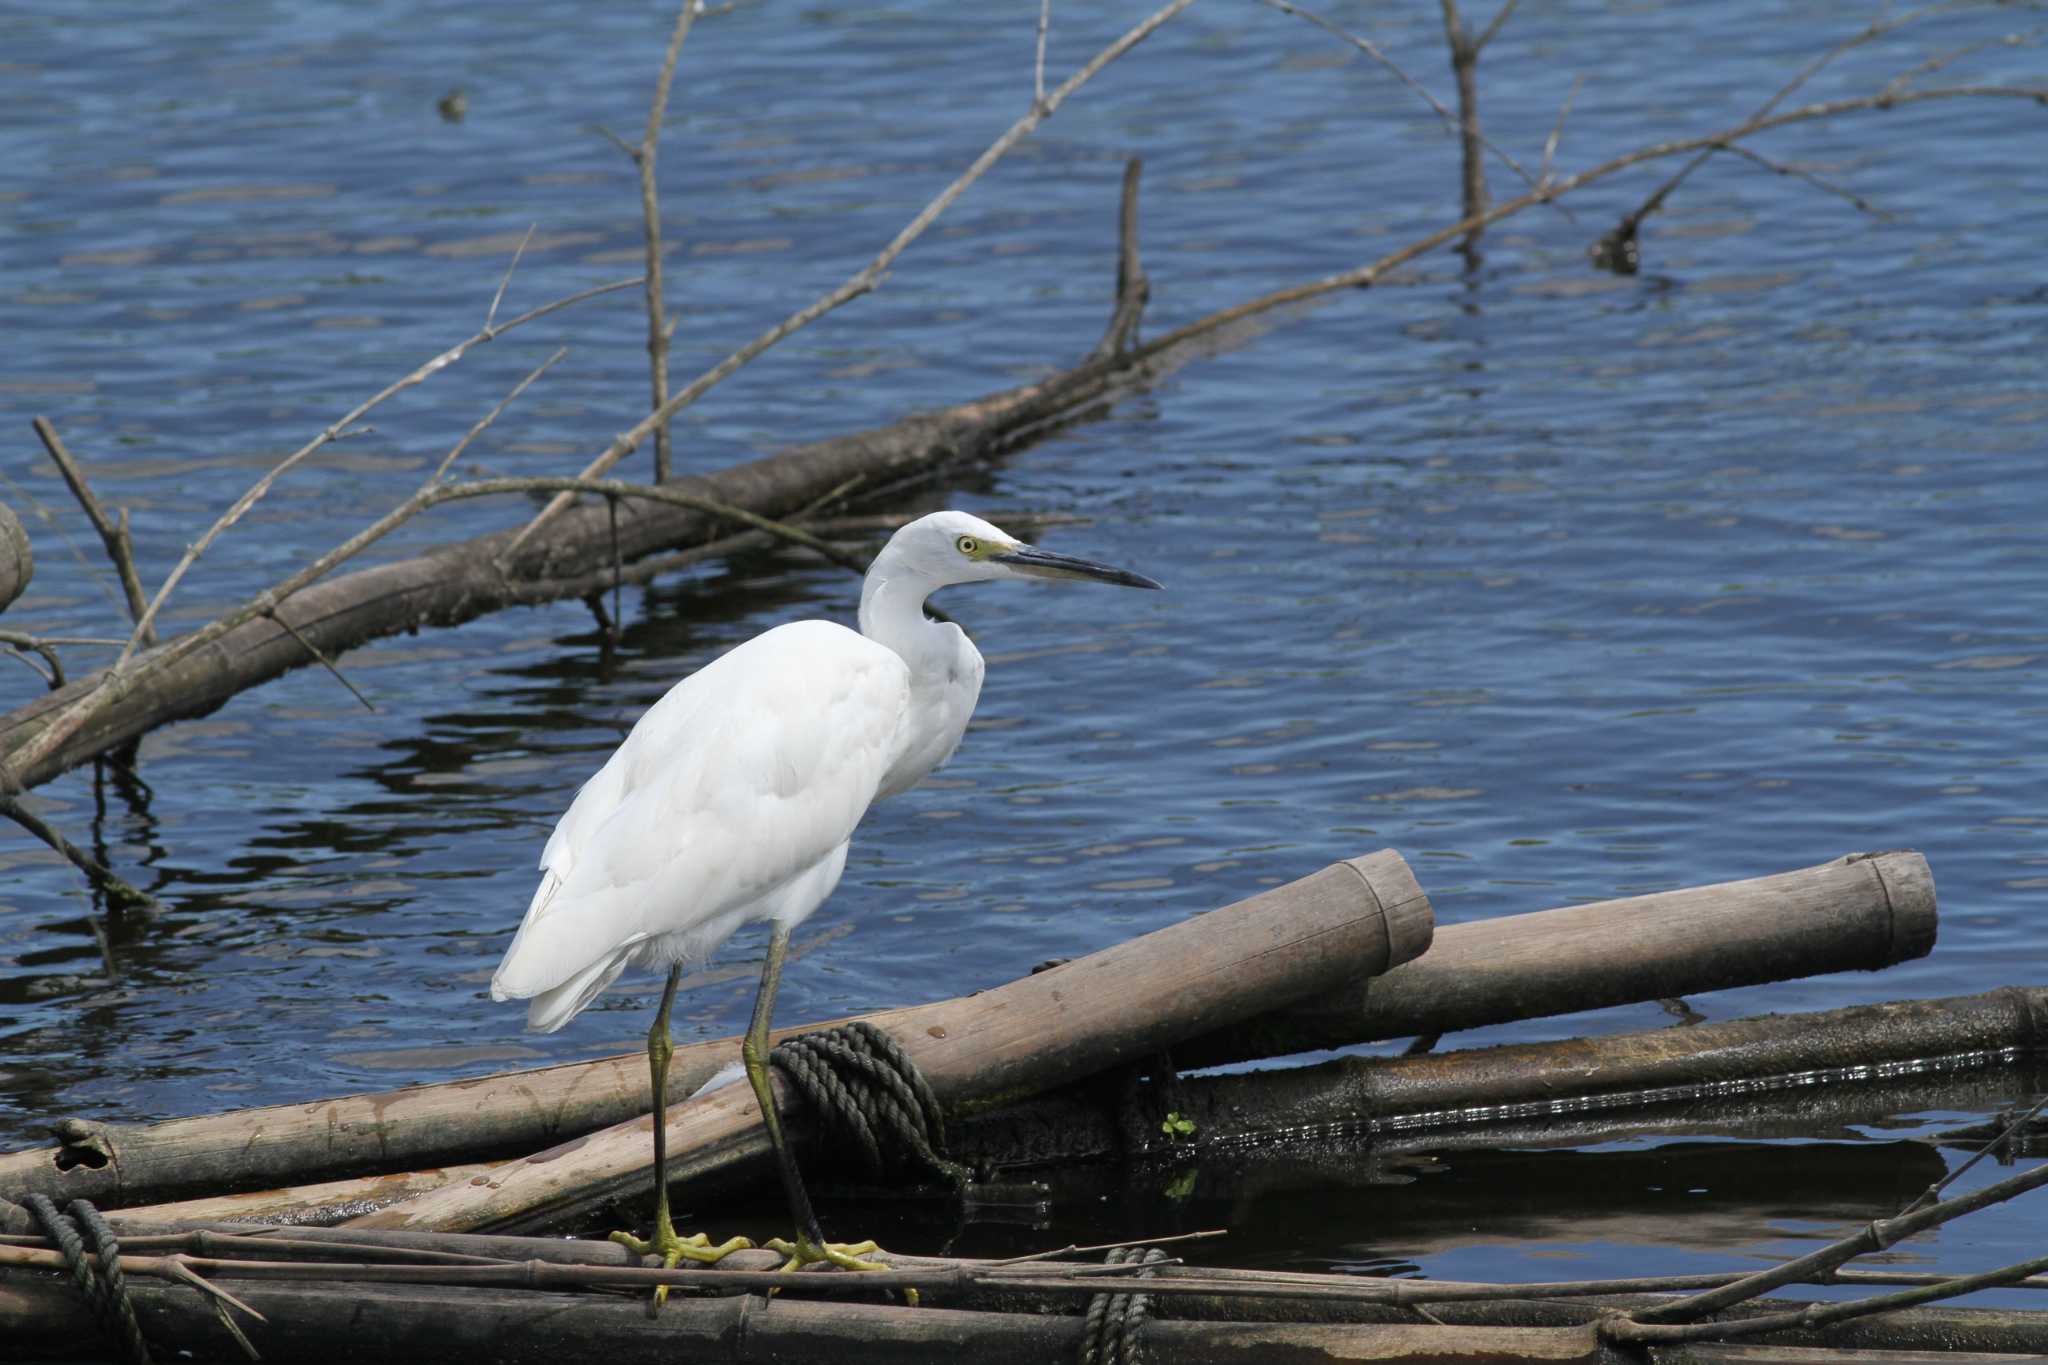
x: 1858, y: 913
x: 254, y: 1258
x: 999, y: 1046
x: 1577, y: 1090
x: 336, y: 1321
x: 1823, y: 918
x: 320, y: 1323
x: 328, y: 1201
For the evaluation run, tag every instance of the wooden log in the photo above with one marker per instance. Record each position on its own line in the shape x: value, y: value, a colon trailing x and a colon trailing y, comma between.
x: 318, y: 1204
x: 572, y: 557
x: 1074, y: 1020
x: 325, y: 1321
x: 1858, y: 913
x: 1411, y: 1102
x: 1679, y: 943
x: 319, y: 1322
x: 17, y: 559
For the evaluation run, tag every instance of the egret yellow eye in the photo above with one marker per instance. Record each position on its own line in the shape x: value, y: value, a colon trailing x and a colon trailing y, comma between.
x: 967, y: 545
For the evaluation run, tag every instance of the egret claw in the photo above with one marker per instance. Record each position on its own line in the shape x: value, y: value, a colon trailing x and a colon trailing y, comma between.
x: 803, y: 1251
x: 674, y: 1250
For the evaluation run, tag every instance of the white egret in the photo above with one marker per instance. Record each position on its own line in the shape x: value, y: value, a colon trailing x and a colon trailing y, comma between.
x: 733, y: 799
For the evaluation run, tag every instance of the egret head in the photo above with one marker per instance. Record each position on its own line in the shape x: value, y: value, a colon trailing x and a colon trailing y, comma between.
x: 953, y: 547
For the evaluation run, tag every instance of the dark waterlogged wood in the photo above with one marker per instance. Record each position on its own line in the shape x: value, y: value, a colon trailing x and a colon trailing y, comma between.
x: 1045, y: 1030
x: 1855, y: 912
x: 1415, y: 1101
x: 333, y: 1321
x: 318, y: 1323
x: 1859, y: 913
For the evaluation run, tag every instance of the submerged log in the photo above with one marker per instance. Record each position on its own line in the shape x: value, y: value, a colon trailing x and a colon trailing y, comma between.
x: 575, y: 555
x: 1830, y: 918
x: 1073, y: 1020
x: 1858, y: 913
x: 1419, y: 1101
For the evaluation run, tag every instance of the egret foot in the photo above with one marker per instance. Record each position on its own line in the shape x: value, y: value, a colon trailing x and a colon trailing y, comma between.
x: 673, y: 1249
x: 846, y: 1255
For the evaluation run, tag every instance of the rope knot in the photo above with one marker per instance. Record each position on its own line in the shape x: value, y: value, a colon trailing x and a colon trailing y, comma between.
x: 865, y: 1088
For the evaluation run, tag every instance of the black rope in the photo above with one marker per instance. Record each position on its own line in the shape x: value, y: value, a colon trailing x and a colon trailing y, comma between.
x: 1110, y: 1334
x: 868, y: 1092
x: 107, y: 1291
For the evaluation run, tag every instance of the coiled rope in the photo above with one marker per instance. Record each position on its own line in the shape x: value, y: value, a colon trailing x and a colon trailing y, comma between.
x: 867, y: 1090
x: 105, y: 1291
x: 1113, y: 1321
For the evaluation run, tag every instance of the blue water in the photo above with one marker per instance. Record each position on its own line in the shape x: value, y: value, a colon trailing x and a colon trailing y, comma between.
x: 1566, y: 586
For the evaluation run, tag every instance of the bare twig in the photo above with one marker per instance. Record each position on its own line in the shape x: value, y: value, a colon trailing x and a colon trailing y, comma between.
x: 1618, y: 250
x: 1133, y: 289
x: 1798, y: 173
x: 118, y: 676
x: 22, y: 643
x: 862, y: 280
x: 1038, y: 72
x: 1621, y: 1329
x: 1500, y: 18
x: 658, y: 330
x: 118, y: 892
x: 1465, y: 66
x: 263, y: 485
x: 1873, y: 1236
x: 2004, y: 1134
x: 491, y: 314
x: 276, y: 615
x: 1557, y: 130
x: 1451, y: 121
x: 455, y: 452
x: 1943, y: 59
x: 114, y: 535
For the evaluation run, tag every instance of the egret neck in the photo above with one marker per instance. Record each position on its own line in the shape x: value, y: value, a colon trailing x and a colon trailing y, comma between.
x: 945, y: 667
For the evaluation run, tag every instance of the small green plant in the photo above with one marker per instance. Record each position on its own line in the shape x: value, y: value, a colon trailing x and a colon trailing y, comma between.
x: 1177, y: 1126
x: 1182, y: 1185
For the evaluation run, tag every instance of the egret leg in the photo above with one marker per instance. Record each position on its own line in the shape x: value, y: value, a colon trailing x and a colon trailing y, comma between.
x: 810, y: 1245
x: 664, y: 1243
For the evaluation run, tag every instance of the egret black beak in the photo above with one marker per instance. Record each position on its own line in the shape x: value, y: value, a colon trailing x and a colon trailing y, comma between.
x: 1029, y: 559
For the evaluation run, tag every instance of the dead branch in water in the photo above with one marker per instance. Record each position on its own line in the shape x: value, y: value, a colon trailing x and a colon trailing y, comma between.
x: 45, y: 737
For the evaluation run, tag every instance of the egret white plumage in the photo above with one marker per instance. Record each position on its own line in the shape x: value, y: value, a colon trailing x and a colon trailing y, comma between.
x: 734, y: 798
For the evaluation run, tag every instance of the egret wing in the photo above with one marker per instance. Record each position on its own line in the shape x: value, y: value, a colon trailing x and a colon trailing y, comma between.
x: 746, y: 775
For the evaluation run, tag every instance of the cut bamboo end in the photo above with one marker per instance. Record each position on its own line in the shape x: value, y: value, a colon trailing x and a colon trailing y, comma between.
x: 1860, y: 912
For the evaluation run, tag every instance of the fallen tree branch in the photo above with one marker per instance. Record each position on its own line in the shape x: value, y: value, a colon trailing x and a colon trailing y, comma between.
x: 457, y: 582
x: 82, y: 706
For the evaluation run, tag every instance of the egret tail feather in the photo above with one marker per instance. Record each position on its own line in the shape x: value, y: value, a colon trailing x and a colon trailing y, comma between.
x: 555, y: 1007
